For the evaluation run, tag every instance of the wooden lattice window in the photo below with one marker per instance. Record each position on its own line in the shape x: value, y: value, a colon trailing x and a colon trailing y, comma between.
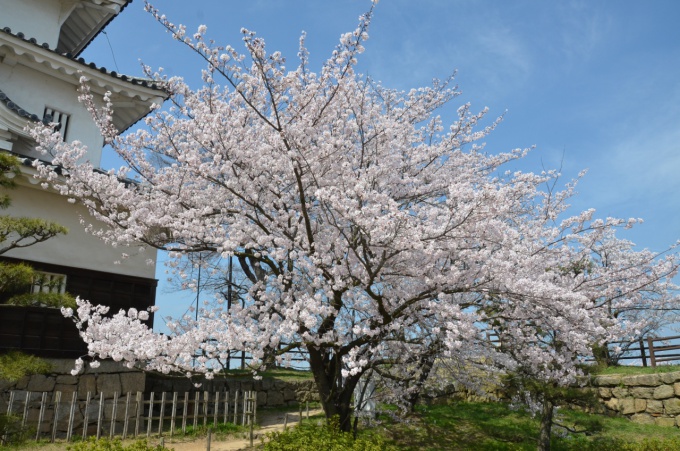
x: 46, y: 282
x: 55, y: 116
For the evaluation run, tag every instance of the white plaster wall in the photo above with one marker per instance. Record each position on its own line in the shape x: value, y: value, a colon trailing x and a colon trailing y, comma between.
x: 39, y: 19
x: 33, y: 90
x: 77, y: 248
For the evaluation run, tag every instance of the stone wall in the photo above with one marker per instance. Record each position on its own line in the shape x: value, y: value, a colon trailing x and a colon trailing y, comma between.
x: 112, y: 377
x: 35, y: 397
x: 648, y: 398
x: 109, y: 377
x: 270, y: 392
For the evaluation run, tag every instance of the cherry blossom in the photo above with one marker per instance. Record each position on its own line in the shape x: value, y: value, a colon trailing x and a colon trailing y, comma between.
x: 372, y: 233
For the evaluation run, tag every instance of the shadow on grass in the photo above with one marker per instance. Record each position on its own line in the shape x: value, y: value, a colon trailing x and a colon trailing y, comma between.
x: 474, y: 426
x: 494, y: 426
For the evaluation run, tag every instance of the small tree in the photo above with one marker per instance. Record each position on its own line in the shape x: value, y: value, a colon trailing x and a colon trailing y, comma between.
x: 369, y: 229
x: 20, y: 232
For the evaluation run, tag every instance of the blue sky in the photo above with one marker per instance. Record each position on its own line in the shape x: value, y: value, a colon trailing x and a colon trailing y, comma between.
x: 592, y: 84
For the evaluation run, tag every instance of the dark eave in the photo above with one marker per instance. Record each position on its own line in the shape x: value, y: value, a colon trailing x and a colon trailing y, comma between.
x: 5, y: 100
x: 83, y: 26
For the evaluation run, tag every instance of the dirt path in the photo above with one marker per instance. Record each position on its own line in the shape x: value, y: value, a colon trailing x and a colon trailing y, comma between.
x: 269, y: 422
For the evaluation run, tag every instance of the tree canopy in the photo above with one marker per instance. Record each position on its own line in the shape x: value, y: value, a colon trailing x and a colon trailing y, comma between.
x: 374, y: 233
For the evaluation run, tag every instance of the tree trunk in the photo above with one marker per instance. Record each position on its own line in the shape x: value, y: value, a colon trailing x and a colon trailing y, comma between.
x: 602, y: 355
x: 546, y: 425
x: 335, y: 393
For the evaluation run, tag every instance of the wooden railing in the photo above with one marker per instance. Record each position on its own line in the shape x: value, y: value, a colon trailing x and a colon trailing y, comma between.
x: 664, y: 352
x: 650, y: 351
x: 65, y: 416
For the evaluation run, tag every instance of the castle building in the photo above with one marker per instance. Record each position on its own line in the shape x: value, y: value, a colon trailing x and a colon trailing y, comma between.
x: 40, y: 68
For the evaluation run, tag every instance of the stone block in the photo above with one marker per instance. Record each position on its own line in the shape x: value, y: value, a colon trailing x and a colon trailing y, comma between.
x: 640, y: 405
x: 627, y: 406
x: 275, y: 398
x: 132, y: 382
x: 642, y: 418
x: 40, y: 382
x: 642, y: 392
x: 646, y: 380
x: 672, y: 406
x: 620, y: 392
x: 261, y: 398
x: 609, y: 380
x: 108, y: 383
x: 61, y: 366
x: 664, y: 392
x: 676, y: 388
x: 87, y: 383
x: 288, y: 394
x: 665, y: 421
x: 604, y: 392
x: 654, y: 407
x: 67, y: 379
x: 22, y: 383
x: 670, y: 378
x: 267, y: 383
x: 65, y: 390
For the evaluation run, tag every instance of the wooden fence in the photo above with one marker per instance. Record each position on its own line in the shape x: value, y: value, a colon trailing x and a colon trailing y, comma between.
x: 649, y: 351
x: 63, y: 415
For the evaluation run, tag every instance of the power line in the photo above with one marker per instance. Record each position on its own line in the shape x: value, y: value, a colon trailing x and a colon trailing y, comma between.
x: 114, y: 56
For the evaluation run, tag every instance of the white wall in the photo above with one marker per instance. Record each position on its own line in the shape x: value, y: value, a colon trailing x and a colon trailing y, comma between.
x: 77, y: 248
x: 33, y: 90
x: 39, y: 19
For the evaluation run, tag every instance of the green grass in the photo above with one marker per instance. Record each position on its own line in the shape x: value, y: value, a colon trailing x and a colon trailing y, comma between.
x: 289, y: 374
x: 494, y: 426
x: 632, y: 370
x: 219, y: 430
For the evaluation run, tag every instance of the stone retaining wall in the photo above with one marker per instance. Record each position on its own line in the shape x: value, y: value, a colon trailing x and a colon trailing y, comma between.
x: 648, y: 398
x: 270, y: 392
x: 109, y: 377
x: 112, y: 377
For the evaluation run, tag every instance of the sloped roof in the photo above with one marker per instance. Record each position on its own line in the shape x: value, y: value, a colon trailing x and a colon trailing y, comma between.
x: 85, y: 22
x: 133, y: 80
x: 67, y: 64
x: 7, y: 102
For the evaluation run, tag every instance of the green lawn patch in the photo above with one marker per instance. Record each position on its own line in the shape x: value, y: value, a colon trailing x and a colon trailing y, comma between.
x: 288, y: 374
x: 631, y: 370
x: 495, y: 426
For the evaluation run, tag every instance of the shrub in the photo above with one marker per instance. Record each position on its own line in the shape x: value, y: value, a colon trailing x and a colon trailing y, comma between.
x: 328, y: 437
x: 14, y: 365
x: 653, y: 445
x: 11, y: 431
x: 219, y: 430
x: 104, y: 444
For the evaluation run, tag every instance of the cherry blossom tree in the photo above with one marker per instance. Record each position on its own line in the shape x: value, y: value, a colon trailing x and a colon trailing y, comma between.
x: 375, y: 234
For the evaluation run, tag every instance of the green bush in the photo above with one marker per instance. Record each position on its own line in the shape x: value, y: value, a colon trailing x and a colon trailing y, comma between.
x: 328, y: 437
x: 667, y: 444
x: 104, y: 444
x: 614, y: 444
x: 11, y: 431
x: 219, y: 430
x: 14, y: 365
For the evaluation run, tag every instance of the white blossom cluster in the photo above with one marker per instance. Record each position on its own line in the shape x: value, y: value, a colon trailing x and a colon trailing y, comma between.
x: 379, y: 235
